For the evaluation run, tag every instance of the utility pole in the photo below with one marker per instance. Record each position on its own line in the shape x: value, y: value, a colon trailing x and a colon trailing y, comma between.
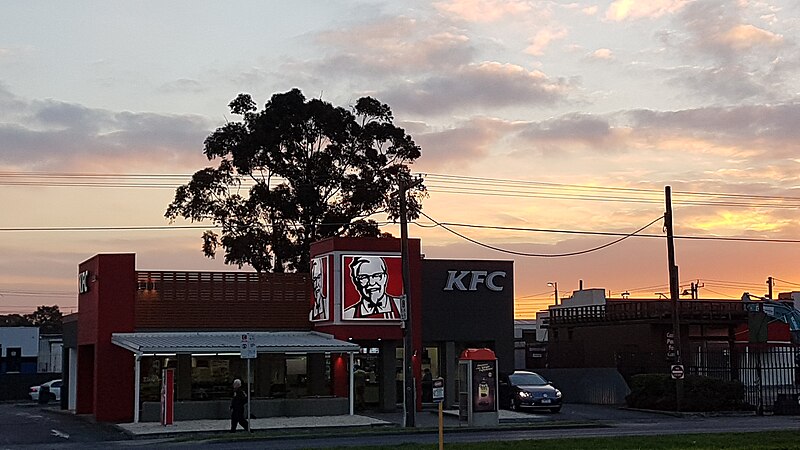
x: 770, y: 283
x: 409, y: 399
x: 674, y: 291
x: 674, y: 287
x: 554, y: 285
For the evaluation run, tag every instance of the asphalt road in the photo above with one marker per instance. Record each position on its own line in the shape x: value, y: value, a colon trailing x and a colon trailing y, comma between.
x: 28, y: 426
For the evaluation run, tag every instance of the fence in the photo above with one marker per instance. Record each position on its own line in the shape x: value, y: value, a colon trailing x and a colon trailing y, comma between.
x: 770, y: 373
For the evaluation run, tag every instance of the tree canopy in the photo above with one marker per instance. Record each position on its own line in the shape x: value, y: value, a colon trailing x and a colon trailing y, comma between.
x: 295, y: 172
x: 47, y: 318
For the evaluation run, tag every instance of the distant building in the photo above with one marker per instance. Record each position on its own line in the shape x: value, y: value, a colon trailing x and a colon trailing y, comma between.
x: 719, y: 338
x: 50, y: 347
x: 19, y: 349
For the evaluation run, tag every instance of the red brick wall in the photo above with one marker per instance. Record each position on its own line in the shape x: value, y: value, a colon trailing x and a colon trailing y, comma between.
x: 222, y: 300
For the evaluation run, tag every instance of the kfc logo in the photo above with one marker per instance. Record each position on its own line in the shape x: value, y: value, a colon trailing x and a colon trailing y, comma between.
x: 320, y: 301
x: 372, y: 288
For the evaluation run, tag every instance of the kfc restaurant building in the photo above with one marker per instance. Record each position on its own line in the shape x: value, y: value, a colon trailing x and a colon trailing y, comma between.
x: 312, y: 332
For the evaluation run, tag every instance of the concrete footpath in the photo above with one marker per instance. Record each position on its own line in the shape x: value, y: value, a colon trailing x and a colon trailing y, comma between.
x: 424, y: 419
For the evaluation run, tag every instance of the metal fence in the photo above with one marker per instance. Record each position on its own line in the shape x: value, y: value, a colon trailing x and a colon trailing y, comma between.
x: 770, y: 373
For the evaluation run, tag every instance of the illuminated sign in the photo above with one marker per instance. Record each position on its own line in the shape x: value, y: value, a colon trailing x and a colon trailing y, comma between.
x: 372, y: 288
x: 83, y: 282
x: 468, y: 280
x: 320, y: 298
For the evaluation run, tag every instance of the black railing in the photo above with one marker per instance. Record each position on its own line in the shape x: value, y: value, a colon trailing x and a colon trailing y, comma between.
x: 695, y: 310
x: 770, y: 374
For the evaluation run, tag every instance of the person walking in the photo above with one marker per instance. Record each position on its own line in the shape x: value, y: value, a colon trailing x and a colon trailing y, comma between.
x: 238, y: 402
x: 360, y: 382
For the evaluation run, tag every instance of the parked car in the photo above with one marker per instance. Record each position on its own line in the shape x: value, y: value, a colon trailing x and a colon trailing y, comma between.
x: 54, y: 387
x: 524, y: 389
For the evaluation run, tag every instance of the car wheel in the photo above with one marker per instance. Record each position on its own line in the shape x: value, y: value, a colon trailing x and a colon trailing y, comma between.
x: 555, y: 410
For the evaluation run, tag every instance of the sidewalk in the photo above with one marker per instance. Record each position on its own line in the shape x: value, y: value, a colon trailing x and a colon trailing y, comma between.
x: 151, y: 429
x: 424, y: 419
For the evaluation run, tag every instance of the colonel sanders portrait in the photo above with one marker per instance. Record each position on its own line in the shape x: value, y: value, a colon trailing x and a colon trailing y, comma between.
x: 369, y: 276
x: 319, y: 307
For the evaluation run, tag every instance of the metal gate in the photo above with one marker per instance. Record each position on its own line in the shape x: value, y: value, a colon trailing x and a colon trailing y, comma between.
x: 770, y: 373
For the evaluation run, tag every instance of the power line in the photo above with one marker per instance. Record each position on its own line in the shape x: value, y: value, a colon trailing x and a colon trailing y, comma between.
x: 609, y: 233
x: 539, y: 255
x: 447, y: 183
x: 786, y: 282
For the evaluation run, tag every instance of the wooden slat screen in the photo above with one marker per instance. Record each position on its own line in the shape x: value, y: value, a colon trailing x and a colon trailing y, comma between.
x: 222, y: 300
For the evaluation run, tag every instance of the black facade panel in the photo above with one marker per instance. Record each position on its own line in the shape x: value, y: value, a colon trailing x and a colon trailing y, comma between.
x: 469, y: 301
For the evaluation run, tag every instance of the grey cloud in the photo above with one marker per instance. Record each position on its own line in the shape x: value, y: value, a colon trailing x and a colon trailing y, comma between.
x: 731, y: 83
x: 571, y: 132
x: 50, y: 113
x: 51, y: 133
x: 182, y: 85
x: 732, y: 59
x: 431, y: 53
x: 771, y: 129
x: 463, y: 145
x: 576, y: 126
x: 487, y: 85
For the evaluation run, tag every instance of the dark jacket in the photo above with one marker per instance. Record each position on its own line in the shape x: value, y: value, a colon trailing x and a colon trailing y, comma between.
x: 239, y: 400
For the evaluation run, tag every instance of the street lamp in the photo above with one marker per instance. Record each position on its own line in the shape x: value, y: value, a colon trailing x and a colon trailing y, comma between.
x: 554, y: 285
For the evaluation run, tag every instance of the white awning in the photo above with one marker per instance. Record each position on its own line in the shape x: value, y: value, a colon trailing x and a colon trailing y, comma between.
x: 230, y: 342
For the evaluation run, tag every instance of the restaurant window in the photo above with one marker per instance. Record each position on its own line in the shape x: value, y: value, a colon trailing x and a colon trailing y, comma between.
x: 297, y: 374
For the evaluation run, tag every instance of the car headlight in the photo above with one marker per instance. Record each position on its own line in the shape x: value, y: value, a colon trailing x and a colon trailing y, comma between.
x: 558, y: 393
x: 524, y: 394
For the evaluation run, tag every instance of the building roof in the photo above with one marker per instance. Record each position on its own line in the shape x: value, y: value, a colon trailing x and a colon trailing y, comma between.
x: 231, y: 341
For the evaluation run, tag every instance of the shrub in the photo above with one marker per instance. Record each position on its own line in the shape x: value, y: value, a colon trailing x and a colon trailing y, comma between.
x: 657, y: 391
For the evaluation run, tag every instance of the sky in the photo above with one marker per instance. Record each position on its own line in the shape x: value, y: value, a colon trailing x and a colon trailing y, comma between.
x: 548, y: 127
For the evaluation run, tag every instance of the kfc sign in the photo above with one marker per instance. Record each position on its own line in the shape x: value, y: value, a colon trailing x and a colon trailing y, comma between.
x: 83, y: 282
x: 372, y: 287
x: 320, y: 300
x: 468, y: 280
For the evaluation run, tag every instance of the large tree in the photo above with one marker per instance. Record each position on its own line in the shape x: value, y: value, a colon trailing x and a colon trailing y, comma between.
x: 47, y: 318
x: 295, y: 172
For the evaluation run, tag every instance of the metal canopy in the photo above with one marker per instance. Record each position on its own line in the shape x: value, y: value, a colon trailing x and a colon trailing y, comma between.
x: 230, y: 342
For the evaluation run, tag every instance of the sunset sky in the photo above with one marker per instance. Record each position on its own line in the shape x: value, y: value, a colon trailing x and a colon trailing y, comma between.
x: 549, y: 127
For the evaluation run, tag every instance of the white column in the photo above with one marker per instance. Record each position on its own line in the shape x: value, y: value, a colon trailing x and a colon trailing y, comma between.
x: 351, y: 383
x: 136, y: 385
x: 73, y: 380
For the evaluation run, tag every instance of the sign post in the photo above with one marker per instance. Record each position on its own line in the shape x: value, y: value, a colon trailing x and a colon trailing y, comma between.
x: 248, y: 351
x: 438, y: 397
x: 167, y: 397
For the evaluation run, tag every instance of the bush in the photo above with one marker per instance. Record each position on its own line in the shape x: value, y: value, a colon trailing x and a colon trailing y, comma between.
x: 657, y: 391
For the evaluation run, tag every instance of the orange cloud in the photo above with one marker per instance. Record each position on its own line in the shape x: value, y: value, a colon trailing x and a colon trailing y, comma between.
x: 745, y: 36
x: 482, y: 10
x: 621, y: 10
x: 602, y: 53
x: 543, y: 38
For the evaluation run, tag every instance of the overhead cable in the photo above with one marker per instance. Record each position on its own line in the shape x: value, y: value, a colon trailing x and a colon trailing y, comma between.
x: 540, y: 255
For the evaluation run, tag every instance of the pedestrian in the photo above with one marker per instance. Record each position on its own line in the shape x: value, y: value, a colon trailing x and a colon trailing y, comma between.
x: 237, y: 406
x: 360, y: 381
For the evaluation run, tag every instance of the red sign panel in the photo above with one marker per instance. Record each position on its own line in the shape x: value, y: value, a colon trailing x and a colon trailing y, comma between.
x: 167, y: 397
x: 372, y: 287
x: 320, y: 297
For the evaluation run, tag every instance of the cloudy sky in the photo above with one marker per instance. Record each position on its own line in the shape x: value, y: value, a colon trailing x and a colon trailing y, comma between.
x: 552, y: 126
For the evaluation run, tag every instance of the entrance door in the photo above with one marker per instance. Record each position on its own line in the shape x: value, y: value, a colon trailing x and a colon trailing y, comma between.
x: 13, y: 359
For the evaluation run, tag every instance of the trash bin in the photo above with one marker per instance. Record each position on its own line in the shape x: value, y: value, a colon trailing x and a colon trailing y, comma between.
x: 44, y: 395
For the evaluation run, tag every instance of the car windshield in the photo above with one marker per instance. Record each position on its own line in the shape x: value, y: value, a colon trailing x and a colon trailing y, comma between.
x: 527, y: 379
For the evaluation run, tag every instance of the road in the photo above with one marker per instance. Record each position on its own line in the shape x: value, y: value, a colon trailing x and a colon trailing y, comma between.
x: 29, y: 426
